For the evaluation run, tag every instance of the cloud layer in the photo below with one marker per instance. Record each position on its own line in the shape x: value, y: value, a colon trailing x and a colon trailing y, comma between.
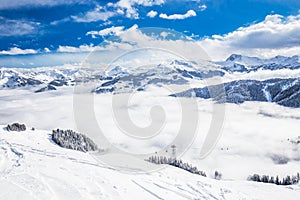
x: 114, y: 30
x: 9, y: 27
x: 129, y: 9
x: 98, y: 14
x: 126, y: 8
x: 8, y: 4
x: 275, y: 35
x: 18, y: 51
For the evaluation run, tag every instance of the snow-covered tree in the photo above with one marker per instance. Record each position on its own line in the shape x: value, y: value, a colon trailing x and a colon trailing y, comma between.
x: 72, y: 140
x: 218, y: 175
x: 288, y: 180
x: 176, y: 163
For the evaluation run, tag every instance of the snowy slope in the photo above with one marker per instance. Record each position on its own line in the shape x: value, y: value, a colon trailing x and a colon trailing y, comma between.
x: 256, y: 136
x: 285, y: 92
x: 38, y: 77
x: 253, y: 132
x: 240, y: 63
x: 122, y: 78
x: 33, y: 167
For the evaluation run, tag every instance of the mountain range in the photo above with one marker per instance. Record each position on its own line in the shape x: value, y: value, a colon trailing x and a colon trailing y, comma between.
x: 119, y: 79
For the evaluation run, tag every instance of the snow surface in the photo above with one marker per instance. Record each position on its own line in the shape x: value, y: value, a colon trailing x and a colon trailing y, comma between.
x: 33, y: 167
x: 254, y: 134
x: 252, y: 62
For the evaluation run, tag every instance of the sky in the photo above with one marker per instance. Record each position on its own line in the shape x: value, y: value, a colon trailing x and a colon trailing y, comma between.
x: 55, y: 32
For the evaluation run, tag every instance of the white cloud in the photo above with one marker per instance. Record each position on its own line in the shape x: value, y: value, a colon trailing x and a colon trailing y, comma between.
x: 130, y: 3
x: 8, y: 4
x: 90, y: 48
x: 203, y: 7
x: 276, y: 35
x: 273, y: 32
x: 114, y: 30
x: 134, y: 38
x: 98, y: 14
x: 190, y: 13
x: 47, y: 50
x: 9, y: 27
x: 71, y: 49
x: 152, y: 14
x: 129, y: 9
x: 56, y: 22
x: 125, y: 8
x: 148, y: 2
x: 18, y: 51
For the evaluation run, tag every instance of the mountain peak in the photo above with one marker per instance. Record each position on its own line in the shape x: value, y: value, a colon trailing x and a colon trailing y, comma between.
x: 234, y: 57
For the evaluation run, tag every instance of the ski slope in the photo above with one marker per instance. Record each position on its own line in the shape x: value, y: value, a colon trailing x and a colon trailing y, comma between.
x: 33, y: 167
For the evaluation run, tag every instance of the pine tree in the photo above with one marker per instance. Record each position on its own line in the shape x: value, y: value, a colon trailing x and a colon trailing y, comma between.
x: 218, y: 175
x: 265, y: 179
x: 277, y: 182
x: 288, y: 180
x: 173, y: 151
x: 294, y: 180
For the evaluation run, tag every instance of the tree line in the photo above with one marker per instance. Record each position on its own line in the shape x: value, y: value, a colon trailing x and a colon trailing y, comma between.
x: 288, y: 180
x: 176, y: 163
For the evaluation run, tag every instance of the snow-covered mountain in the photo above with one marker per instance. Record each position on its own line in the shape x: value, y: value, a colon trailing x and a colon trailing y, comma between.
x: 240, y: 63
x: 117, y: 79
x: 123, y: 79
x: 138, y: 78
x: 42, y: 79
x: 182, y: 72
x: 284, y: 92
x: 174, y: 72
x: 11, y: 78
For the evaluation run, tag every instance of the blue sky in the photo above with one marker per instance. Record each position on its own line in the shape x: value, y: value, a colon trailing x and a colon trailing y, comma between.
x: 38, y: 27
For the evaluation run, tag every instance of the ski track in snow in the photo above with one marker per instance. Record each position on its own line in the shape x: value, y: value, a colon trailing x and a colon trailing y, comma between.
x: 39, y: 169
x: 10, y: 157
